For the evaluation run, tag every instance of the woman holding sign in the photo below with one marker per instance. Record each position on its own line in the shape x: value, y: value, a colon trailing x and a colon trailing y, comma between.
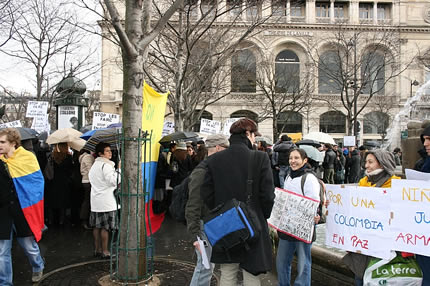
x: 289, y: 245
x: 380, y: 166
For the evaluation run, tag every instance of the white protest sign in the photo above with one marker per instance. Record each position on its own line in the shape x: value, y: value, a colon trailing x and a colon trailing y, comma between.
x: 103, y: 120
x: 416, y: 175
x: 11, y: 124
x: 410, y: 210
x: 358, y: 220
x: 208, y: 126
x: 227, y: 124
x: 349, y: 141
x: 41, y: 123
x: 168, y: 128
x: 35, y: 108
x: 293, y: 214
x: 67, y: 117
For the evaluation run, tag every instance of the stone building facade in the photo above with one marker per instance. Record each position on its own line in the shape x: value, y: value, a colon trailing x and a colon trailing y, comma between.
x: 286, y: 37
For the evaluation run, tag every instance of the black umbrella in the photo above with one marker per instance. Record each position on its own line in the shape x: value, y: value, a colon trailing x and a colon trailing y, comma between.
x: 27, y: 133
x: 309, y: 142
x: 179, y: 135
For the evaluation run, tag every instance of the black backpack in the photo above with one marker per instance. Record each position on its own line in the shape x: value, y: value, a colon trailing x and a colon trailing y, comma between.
x: 321, y: 207
x: 179, y: 201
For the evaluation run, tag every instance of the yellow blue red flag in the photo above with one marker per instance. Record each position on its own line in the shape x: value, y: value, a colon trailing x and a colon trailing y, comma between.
x: 29, y: 183
x: 154, y: 107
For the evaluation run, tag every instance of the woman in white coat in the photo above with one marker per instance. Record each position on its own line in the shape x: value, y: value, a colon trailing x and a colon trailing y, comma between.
x: 104, y: 180
x: 289, y: 245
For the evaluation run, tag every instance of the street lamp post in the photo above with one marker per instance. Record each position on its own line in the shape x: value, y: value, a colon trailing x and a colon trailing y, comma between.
x: 413, y: 83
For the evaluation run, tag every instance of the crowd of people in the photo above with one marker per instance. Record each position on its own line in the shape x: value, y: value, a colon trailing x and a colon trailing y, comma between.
x: 215, y: 172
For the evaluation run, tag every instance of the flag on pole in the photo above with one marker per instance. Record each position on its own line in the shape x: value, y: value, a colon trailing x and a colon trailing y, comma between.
x: 154, y: 107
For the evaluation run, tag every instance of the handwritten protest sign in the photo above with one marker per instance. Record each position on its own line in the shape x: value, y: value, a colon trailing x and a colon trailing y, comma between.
x: 168, y: 128
x: 41, y: 123
x: 227, y: 124
x: 209, y: 126
x: 103, y: 120
x: 35, y: 108
x: 410, y: 224
x: 11, y: 124
x: 293, y: 214
x: 358, y: 220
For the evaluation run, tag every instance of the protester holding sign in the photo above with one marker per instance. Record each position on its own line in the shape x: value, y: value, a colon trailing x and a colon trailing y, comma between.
x: 424, y: 261
x: 380, y: 166
x: 288, y: 245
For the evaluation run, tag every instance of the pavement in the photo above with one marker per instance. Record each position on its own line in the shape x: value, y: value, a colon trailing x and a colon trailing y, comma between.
x: 174, y: 259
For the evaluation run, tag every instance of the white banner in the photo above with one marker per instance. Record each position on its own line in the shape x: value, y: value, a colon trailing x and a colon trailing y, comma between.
x: 36, y: 108
x: 358, y: 220
x: 293, y: 214
x: 210, y: 126
x: 103, y: 120
x: 227, y: 124
x: 11, y: 124
x: 168, y: 128
x: 410, y: 211
x: 41, y: 123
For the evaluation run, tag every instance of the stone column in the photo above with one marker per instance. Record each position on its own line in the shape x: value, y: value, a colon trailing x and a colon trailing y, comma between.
x: 332, y: 18
x: 353, y: 12
x: 310, y: 11
x: 288, y: 11
x: 375, y: 13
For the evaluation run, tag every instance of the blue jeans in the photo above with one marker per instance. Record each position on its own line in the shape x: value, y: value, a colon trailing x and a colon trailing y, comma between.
x: 284, y: 258
x: 31, y: 249
x: 283, y: 172
x: 424, y: 263
x: 201, y: 275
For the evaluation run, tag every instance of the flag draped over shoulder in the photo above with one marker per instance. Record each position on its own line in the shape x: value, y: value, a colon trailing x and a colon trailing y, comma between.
x: 154, y: 107
x: 29, y: 183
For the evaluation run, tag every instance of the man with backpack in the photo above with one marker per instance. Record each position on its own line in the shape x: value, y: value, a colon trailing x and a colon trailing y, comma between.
x: 283, y: 149
x: 195, y: 210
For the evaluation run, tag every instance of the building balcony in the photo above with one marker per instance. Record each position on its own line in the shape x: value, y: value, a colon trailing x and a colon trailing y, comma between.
x: 298, y: 19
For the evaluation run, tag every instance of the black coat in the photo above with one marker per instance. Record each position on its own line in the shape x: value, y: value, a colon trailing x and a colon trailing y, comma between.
x: 226, y: 179
x: 329, y: 159
x: 353, y: 166
x: 10, y: 208
x: 59, y: 189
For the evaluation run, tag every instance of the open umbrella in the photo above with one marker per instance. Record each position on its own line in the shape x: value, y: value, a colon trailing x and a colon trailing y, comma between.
x: 179, y: 135
x: 77, y: 144
x: 313, y: 153
x: 320, y: 137
x: 27, y: 133
x: 309, y: 142
x: 115, y: 125
x: 108, y: 135
x: 63, y: 136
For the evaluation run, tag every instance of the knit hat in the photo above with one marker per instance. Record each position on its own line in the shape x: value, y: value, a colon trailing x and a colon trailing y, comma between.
x: 385, y: 159
x: 426, y: 132
x: 216, y: 139
x: 181, y: 146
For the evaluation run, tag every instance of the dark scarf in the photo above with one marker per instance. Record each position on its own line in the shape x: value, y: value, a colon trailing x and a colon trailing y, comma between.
x: 299, y: 172
x: 379, y: 179
x: 426, y: 166
x: 240, y: 138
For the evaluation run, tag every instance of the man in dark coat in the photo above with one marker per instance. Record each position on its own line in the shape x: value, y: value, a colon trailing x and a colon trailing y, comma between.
x: 328, y: 164
x: 227, y: 179
x: 282, y: 164
x: 353, y: 165
x: 424, y: 261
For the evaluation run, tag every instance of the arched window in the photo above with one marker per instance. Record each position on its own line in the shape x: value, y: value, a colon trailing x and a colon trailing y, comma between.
x: 373, y: 73
x: 287, y: 72
x: 289, y: 121
x: 245, y: 113
x: 376, y: 122
x: 205, y: 115
x: 243, y: 72
x: 330, y: 73
x: 333, y: 122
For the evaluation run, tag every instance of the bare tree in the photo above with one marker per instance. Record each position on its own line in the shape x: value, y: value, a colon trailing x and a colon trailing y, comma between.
x: 283, y: 89
x: 7, y: 20
x: 45, y: 36
x: 382, y: 112
x: 357, y: 64
x: 191, y: 56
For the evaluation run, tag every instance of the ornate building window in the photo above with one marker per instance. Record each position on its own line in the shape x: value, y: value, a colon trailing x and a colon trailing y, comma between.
x: 243, y: 72
x: 366, y: 11
x: 287, y: 72
x: 373, y: 73
x: 330, y: 73
x: 376, y: 122
x: 333, y: 122
x: 289, y: 121
x: 322, y: 9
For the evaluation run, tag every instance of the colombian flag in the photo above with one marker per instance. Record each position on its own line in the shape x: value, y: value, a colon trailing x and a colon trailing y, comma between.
x: 28, y: 180
x: 154, y: 106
